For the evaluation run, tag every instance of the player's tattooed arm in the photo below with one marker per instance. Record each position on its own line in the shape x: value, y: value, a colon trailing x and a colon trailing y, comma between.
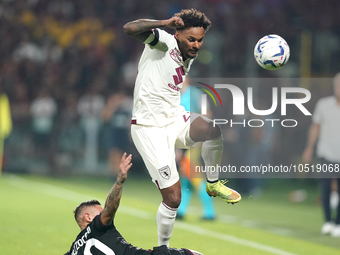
x: 113, y: 199
x: 141, y: 29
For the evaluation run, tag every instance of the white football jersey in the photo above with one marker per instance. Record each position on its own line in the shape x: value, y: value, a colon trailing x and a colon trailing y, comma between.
x: 327, y: 115
x: 161, y: 72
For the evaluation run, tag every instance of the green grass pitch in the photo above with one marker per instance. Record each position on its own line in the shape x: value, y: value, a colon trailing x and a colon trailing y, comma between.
x: 36, y: 218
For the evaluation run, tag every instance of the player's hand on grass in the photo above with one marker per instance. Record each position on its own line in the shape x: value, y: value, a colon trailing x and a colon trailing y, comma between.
x: 124, y: 166
x: 174, y: 22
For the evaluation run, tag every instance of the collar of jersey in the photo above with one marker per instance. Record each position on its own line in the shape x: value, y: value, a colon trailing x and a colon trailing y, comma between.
x: 187, y: 62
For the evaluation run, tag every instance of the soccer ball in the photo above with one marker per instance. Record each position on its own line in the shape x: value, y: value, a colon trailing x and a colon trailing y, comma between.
x: 271, y: 52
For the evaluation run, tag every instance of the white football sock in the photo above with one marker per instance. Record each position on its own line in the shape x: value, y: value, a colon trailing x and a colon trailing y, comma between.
x: 165, y: 223
x: 212, y: 154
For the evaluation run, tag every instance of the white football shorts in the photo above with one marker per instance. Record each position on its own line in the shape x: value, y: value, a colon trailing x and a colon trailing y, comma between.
x: 157, y: 146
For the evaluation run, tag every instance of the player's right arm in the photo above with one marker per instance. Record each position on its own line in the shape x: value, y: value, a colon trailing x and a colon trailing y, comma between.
x: 141, y: 29
x: 113, y: 199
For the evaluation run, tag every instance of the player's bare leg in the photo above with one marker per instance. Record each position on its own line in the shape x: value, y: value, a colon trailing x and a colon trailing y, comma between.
x: 202, y: 130
x: 167, y: 211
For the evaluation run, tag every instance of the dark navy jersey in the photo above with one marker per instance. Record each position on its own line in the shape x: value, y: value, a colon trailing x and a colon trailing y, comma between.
x: 98, y: 239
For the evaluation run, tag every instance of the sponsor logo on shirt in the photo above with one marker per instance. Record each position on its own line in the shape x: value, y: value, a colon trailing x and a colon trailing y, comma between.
x: 175, y: 54
x: 174, y: 87
x: 81, y: 241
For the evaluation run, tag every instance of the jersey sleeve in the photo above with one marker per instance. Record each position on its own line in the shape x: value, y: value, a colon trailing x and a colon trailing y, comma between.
x: 159, y: 40
x: 97, y: 223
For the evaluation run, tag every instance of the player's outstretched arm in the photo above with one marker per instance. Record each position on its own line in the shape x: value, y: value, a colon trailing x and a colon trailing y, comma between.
x: 141, y: 29
x: 112, y: 200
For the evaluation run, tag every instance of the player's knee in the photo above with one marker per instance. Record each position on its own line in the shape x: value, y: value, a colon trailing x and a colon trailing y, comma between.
x: 205, y: 130
x: 210, y: 131
x: 215, y: 132
x: 173, y: 201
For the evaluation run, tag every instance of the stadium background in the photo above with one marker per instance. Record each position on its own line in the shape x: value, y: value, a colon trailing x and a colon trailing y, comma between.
x: 70, y: 48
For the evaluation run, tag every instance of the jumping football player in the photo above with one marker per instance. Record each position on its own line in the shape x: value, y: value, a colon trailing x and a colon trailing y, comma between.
x: 98, y: 233
x: 159, y: 123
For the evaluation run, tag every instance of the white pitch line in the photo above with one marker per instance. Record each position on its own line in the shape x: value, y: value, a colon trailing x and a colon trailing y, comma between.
x: 136, y: 212
x: 229, y: 238
x: 231, y: 219
x: 46, y: 189
x: 62, y: 193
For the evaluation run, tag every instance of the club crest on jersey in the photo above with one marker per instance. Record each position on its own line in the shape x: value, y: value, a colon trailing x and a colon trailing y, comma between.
x: 165, y: 172
x: 176, y: 55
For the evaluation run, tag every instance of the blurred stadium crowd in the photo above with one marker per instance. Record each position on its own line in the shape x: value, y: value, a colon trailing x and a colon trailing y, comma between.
x: 60, y: 62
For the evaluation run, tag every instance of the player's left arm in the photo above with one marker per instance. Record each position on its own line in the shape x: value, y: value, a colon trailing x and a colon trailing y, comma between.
x: 113, y: 199
x: 141, y: 29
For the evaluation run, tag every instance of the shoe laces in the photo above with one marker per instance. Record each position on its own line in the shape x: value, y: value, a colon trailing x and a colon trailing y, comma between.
x: 223, y: 181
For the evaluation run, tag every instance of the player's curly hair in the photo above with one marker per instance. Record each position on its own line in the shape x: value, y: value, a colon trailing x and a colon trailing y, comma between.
x: 82, y: 205
x: 193, y: 18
